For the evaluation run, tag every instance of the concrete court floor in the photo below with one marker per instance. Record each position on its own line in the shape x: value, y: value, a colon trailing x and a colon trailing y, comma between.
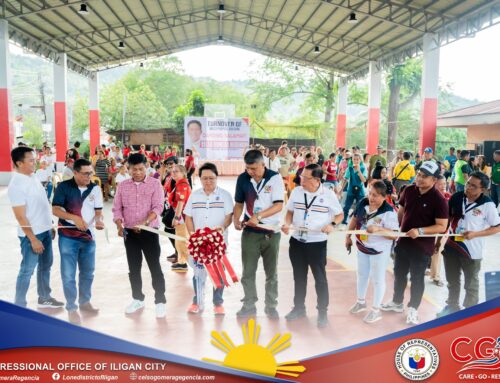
x: 189, y: 335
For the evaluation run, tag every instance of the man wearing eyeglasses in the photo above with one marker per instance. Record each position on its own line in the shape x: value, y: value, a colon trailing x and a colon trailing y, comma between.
x: 210, y: 206
x: 314, y: 210
x: 475, y: 216
x: 78, y: 205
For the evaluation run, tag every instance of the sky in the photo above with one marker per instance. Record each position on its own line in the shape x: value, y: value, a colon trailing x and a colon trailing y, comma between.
x: 470, y: 66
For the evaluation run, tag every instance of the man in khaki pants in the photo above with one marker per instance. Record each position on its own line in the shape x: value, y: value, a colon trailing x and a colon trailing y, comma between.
x: 260, y: 192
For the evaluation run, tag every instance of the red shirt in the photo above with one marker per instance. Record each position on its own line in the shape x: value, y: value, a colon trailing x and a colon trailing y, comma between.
x: 155, y: 157
x: 189, y: 162
x: 126, y: 151
x: 331, y: 167
x: 181, y: 193
x: 167, y: 155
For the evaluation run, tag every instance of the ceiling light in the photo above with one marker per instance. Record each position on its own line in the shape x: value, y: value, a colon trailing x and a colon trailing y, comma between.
x: 221, y: 9
x: 141, y: 65
x: 316, y: 49
x: 220, y: 40
x: 83, y: 9
x: 121, y: 45
x: 352, y: 18
x: 296, y: 67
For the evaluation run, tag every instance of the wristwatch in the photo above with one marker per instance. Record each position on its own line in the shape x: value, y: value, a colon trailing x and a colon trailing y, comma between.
x: 178, y: 218
x: 420, y: 231
x: 148, y: 222
x: 259, y: 217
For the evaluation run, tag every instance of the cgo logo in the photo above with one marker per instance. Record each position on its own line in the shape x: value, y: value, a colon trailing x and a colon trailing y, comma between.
x: 483, y: 354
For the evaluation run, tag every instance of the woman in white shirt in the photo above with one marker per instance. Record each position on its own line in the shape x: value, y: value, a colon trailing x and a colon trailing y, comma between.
x: 372, y: 214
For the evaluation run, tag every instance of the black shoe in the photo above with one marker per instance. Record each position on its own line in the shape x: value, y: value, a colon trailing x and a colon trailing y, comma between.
x: 246, y: 312
x: 271, y: 313
x: 322, y: 319
x: 50, y: 303
x: 295, y: 314
x: 172, y: 258
x: 179, y: 267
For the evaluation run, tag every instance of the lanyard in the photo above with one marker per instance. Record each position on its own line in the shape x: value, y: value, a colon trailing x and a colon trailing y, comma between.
x: 307, y: 205
x: 467, y: 207
x: 259, y: 188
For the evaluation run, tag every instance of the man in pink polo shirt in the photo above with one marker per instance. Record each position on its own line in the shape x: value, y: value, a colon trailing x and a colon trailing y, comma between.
x: 139, y: 201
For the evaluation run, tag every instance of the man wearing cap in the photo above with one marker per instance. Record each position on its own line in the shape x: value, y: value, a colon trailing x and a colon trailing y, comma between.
x: 423, y: 210
x: 462, y: 170
x: 377, y: 157
x: 427, y: 156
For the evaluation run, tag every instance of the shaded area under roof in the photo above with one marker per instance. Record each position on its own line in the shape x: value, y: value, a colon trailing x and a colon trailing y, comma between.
x: 388, y: 31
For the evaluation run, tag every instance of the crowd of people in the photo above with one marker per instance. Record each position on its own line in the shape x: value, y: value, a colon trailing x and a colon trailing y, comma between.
x: 443, y: 208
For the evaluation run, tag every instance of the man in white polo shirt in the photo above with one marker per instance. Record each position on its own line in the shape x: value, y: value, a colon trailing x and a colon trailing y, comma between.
x: 32, y: 210
x: 475, y: 216
x: 316, y: 210
x: 260, y: 192
x: 210, y: 206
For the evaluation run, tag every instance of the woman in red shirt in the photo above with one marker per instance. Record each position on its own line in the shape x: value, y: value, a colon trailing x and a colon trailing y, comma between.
x: 330, y: 168
x: 190, y: 166
x: 155, y: 155
x: 167, y: 153
x: 177, y: 199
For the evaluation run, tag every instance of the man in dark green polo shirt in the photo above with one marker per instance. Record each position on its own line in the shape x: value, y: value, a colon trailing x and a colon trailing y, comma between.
x: 495, y: 178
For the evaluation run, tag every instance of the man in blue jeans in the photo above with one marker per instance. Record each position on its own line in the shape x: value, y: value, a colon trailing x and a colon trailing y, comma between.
x: 355, y: 177
x: 32, y: 210
x: 78, y: 204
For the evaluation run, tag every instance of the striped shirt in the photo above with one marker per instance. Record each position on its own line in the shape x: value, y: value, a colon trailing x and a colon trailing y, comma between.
x: 135, y: 200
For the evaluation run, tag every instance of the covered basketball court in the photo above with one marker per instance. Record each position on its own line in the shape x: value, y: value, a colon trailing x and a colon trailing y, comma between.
x: 349, y: 38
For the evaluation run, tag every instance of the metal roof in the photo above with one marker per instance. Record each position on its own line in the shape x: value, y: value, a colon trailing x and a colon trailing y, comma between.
x: 487, y: 113
x: 387, y: 31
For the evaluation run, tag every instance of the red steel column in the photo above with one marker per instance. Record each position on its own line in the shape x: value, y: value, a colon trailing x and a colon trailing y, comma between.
x: 6, y: 117
x: 94, y: 128
x: 430, y: 87
x: 341, y: 114
x: 60, y: 115
x: 374, y: 98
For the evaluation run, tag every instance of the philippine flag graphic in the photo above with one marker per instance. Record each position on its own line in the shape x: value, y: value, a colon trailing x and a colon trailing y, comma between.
x: 417, y: 362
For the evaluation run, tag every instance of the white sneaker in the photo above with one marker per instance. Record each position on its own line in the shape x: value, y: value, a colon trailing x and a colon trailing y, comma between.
x: 161, y: 310
x: 134, y: 306
x: 412, y: 316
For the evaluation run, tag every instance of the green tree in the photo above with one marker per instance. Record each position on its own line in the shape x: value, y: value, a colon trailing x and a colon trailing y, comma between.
x: 33, y: 133
x: 80, y: 123
x: 404, y: 86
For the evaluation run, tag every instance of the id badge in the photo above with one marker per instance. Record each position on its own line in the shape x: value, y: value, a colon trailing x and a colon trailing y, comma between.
x: 459, y: 239
x: 302, y: 234
x: 363, y: 237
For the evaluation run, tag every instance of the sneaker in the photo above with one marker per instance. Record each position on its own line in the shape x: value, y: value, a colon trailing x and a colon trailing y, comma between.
x: 271, y: 313
x: 358, y: 308
x: 74, y: 317
x: 180, y: 267
x: 447, y: 311
x: 391, y: 306
x: 88, y: 308
x: 295, y: 314
x: 50, y: 303
x: 372, y: 316
x: 322, y: 319
x: 219, y: 310
x: 193, y: 309
x: 134, y: 306
x: 172, y: 258
x: 161, y: 310
x: 412, y: 317
x: 246, y: 312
